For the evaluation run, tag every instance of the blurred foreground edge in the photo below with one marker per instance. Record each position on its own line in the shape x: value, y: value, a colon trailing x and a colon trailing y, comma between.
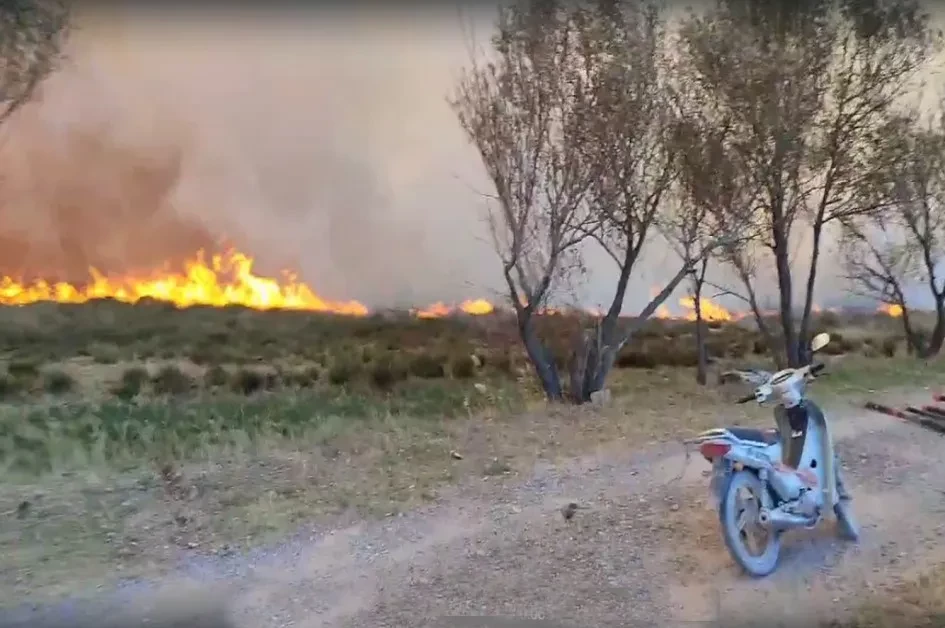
x: 172, y: 608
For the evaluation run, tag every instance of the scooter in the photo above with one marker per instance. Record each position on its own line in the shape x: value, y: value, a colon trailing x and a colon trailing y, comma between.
x: 765, y: 482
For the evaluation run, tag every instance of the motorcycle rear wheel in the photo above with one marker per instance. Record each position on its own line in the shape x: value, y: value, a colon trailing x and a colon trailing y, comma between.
x: 738, y: 516
x: 847, y: 528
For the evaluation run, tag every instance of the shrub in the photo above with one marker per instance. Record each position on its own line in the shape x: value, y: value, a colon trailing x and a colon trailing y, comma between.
x: 57, y: 382
x: 678, y: 356
x: 21, y: 369
x: 105, y: 354
x: 386, y: 372
x: 889, y: 347
x: 829, y: 319
x: 463, y: 367
x: 9, y: 386
x: 131, y: 383
x: 201, y: 355
x: 426, y: 366
x: 272, y: 380
x: 503, y: 362
x: 343, y: 372
x: 635, y: 359
x: 215, y: 377
x: 170, y: 380
x: 248, y: 381
x: 302, y: 379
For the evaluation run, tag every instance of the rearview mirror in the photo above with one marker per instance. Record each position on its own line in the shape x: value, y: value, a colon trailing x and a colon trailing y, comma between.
x: 819, y: 341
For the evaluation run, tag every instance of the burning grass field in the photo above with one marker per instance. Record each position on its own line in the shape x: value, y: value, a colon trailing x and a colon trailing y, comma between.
x: 132, y: 433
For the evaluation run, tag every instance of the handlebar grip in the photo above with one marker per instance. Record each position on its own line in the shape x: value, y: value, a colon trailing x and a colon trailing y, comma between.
x: 746, y: 399
x: 817, y: 368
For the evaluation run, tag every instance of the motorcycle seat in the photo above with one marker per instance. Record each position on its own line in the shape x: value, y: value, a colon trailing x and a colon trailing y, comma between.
x: 767, y: 437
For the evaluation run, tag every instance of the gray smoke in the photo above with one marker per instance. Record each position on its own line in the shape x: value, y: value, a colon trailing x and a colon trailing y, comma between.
x: 320, y: 140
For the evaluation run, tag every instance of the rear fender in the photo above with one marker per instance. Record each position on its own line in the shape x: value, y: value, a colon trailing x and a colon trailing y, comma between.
x: 750, y: 457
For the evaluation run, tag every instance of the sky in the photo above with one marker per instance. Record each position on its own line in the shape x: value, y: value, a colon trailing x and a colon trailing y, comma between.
x: 320, y: 141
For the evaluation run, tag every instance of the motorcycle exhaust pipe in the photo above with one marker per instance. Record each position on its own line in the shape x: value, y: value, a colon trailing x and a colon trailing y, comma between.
x: 777, y: 520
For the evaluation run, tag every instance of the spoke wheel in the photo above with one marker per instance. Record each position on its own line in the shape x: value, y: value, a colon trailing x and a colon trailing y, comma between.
x: 755, y: 548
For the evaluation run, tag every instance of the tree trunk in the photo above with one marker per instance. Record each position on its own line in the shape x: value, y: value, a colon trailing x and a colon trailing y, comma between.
x: 702, y: 355
x: 912, y: 346
x: 538, y: 355
x: 611, y: 338
x: 938, y: 332
x: 804, y: 336
x: 791, y: 354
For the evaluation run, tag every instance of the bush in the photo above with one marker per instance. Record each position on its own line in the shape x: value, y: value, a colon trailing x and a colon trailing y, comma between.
x: 759, y: 347
x: 386, y: 372
x: 343, y: 372
x: 502, y: 362
x: 463, y: 367
x: 829, y: 320
x: 426, y: 366
x: 105, y: 354
x: 678, y: 356
x: 131, y: 383
x: 22, y: 369
x: 215, y: 377
x: 170, y: 380
x: 201, y: 355
x: 9, y: 386
x: 635, y: 359
x: 305, y: 378
x: 248, y: 381
x: 57, y: 382
x: 272, y: 380
x: 889, y: 347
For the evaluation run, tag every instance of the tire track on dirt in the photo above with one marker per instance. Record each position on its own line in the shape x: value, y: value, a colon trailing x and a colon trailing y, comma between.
x: 646, y: 550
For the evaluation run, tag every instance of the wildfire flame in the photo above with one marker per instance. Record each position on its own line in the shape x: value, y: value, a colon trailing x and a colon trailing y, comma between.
x: 227, y: 279
x: 475, y: 307
x: 891, y: 309
x: 710, y: 310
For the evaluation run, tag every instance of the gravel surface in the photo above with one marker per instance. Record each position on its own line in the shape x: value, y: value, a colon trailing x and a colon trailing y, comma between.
x: 643, y: 549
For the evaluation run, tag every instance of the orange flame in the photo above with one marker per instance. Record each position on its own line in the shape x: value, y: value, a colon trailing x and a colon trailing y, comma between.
x: 710, y: 311
x: 227, y: 279
x: 890, y: 309
x: 474, y: 307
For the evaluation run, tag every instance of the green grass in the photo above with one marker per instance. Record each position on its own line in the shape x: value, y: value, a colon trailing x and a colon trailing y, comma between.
x: 39, y: 439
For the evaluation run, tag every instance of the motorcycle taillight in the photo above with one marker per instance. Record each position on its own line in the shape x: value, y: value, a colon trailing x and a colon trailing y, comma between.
x: 713, y: 450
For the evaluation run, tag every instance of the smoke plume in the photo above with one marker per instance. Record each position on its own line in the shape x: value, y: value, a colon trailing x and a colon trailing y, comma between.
x: 320, y: 141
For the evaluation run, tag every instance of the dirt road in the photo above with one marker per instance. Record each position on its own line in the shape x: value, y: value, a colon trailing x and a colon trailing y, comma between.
x: 644, y: 550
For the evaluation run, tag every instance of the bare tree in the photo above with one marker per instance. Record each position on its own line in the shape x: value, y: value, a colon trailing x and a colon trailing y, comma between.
x: 526, y: 111
x: 623, y: 45
x: 904, y: 240
x: 572, y: 124
x: 32, y: 33
x: 804, y: 85
x: 706, y: 223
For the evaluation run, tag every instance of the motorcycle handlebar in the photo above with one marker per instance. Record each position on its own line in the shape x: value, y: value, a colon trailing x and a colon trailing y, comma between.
x: 746, y: 399
x: 816, y: 368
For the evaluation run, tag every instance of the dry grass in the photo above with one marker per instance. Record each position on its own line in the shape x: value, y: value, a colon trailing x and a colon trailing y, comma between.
x: 131, y: 434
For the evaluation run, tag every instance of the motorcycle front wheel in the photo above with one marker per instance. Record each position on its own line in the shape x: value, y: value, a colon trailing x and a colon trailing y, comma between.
x: 755, y: 548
